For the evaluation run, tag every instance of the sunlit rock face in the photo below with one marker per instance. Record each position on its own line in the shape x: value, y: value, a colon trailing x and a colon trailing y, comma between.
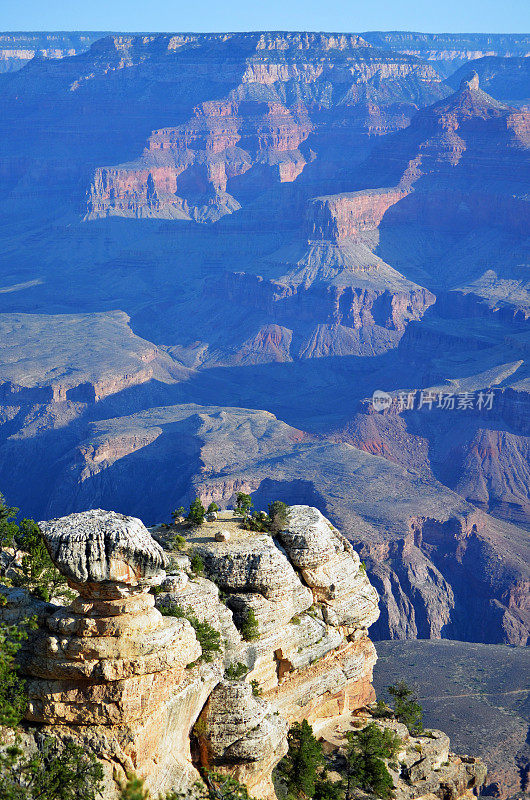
x: 110, y: 669
x: 114, y: 673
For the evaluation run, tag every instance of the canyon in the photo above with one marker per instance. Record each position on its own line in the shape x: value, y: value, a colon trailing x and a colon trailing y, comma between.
x: 216, y: 247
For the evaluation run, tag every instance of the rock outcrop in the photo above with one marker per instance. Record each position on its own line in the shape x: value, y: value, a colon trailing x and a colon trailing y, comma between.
x: 235, y: 148
x: 46, y: 358
x: 112, y: 672
x: 138, y: 689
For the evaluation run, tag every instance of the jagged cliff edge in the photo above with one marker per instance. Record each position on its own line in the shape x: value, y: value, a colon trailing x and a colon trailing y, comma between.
x: 128, y: 683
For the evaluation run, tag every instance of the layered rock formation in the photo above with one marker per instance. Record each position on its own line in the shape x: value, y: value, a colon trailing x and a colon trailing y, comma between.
x: 110, y: 670
x: 75, y: 357
x: 449, y: 51
x: 504, y: 78
x: 234, y: 149
x: 16, y: 49
x: 228, y: 150
x: 137, y: 689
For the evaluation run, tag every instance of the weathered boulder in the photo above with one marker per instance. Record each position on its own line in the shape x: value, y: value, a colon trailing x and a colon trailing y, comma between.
x: 102, y: 547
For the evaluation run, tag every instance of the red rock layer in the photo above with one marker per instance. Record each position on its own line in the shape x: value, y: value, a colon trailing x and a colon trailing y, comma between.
x: 187, y: 171
x: 347, y: 215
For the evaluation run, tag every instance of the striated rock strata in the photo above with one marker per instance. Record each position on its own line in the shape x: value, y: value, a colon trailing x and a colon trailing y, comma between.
x: 130, y: 684
x: 110, y: 670
x: 135, y: 687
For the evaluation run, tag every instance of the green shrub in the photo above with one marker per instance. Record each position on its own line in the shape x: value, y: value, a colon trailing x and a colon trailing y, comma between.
x: 172, y: 610
x: 303, y: 764
x: 178, y: 512
x: 257, y: 522
x: 223, y: 787
x: 197, y: 564
x: 178, y: 542
x: 406, y: 707
x: 197, y: 512
x: 212, y: 508
x: 209, y: 638
x: 236, y: 671
x: 249, y: 627
x: 54, y: 772
x: 277, y: 515
x: 13, y: 700
x: 381, y: 710
x: 256, y: 688
x: 366, y: 768
x: 37, y: 573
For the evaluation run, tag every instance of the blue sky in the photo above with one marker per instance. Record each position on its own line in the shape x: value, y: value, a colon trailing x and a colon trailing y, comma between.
x: 498, y: 16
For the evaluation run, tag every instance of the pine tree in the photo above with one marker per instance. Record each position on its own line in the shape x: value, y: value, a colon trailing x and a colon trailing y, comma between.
x: 366, y: 769
x: 197, y: 512
x: 406, y: 706
x: 278, y: 515
x: 304, y: 758
x: 243, y: 503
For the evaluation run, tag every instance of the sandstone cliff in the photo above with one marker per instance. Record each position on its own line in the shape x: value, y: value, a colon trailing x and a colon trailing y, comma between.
x: 139, y: 690
x: 115, y: 674
x: 296, y: 100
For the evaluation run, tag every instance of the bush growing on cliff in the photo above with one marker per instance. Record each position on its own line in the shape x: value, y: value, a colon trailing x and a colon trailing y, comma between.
x: 209, y: 638
x: 54, y: 772
x: 365, y: 767
x: 178, y: 513
x: 223, y: 787
x: 277, y: 515
x: 236, y: 671
x: 178, y: 542
x: 197, y: 564
x: 258, y: 522
x: 304, y: 762
x: 37, y: 572
x: 262, y: 522
x: 406, y: 707
x: 13, y: 700
x: 249, y: 627
x: 134, y: 789
x: 8, y: 527
x: 197, y: 512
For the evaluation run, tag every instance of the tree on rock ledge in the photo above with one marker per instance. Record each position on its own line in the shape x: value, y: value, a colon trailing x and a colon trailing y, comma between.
x: 197, y: 512
x: 366, y: 768
x: 304, y: 760
x: 406, y: 707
